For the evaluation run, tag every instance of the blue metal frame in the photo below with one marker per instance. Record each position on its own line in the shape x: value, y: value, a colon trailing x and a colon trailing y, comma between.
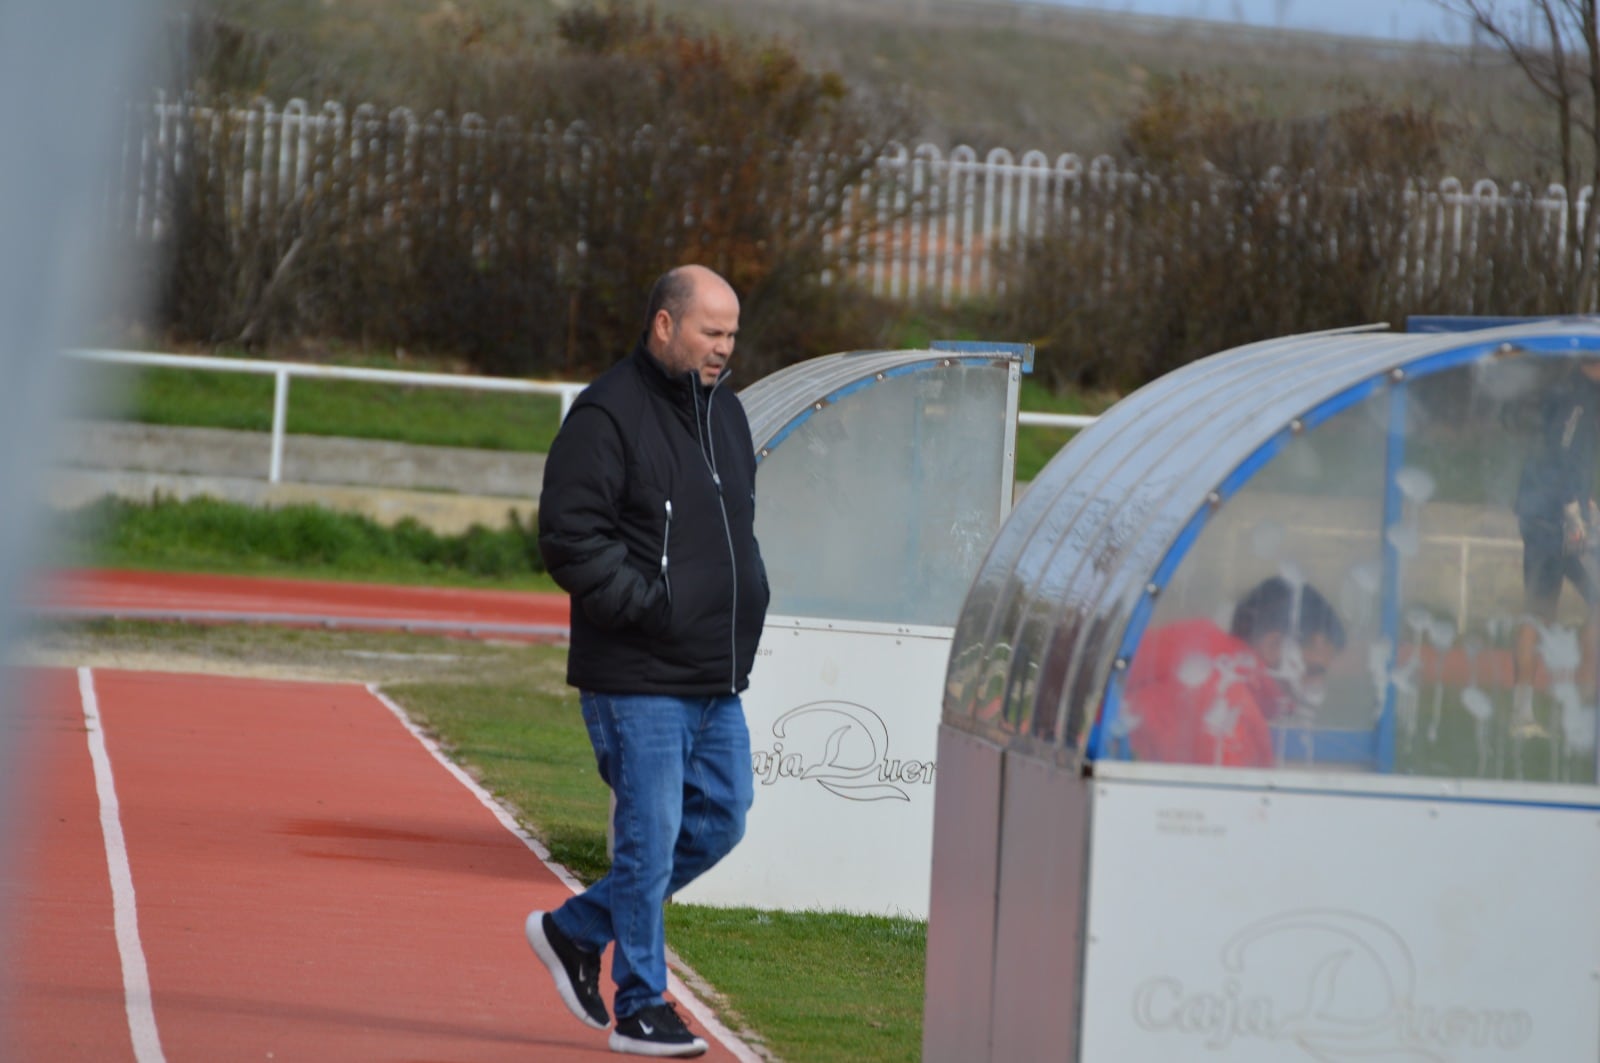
x: 1230, y: 486
x: 1328, y: 745
x: 1428, y: 323
x: 1393, y: 513
x: 1023, y: 352
x: 1099, y: 745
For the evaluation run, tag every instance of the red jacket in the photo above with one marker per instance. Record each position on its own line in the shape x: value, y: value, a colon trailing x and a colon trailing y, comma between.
x: 1188, y: 671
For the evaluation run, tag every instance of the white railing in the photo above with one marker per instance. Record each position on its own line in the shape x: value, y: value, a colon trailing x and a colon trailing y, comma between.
x: 281, y: 372
x: 939, y: 224
x: 1055, y: 420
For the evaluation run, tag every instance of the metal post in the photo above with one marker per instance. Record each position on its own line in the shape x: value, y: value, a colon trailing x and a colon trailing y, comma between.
x: 280, y: 411
x: 1008, y: 458
x: 1393, y: 514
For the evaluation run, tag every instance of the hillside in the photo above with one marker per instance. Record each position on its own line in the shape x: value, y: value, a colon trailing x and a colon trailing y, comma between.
x: 988, y: 73
x: 1018, y: 75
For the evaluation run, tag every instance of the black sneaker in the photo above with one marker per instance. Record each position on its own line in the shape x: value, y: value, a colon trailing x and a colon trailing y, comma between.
x: 656, y: 1031
x: 576, y: 972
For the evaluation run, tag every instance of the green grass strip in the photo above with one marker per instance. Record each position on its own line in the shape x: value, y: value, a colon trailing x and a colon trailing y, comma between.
x: 1036, y: 446
x: 819, y: 986
x: 530, y: 748
x: 433, y: 416
x: 207, y: 535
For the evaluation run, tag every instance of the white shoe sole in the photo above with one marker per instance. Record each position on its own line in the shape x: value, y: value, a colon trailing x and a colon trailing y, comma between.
x: 533, y: 930
x: 634, y: 1047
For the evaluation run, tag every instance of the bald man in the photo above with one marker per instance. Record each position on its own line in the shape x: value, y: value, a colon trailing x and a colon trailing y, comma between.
x: 647, y: 519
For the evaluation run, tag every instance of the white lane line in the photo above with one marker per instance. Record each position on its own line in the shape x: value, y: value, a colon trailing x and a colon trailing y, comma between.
x: 135, y: 975
x: 691, y: 1003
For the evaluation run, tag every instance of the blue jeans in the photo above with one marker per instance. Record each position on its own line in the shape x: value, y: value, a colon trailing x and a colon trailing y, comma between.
x: 680, y: 770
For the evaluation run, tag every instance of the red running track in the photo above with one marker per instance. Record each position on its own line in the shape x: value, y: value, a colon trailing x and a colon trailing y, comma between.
x: 305, y: 879
x: 190, y: 596
x: 455, y: 611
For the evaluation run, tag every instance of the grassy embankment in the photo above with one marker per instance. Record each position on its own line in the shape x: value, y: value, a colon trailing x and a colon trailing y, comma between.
x: 991, y: 74
x: 303, y: 540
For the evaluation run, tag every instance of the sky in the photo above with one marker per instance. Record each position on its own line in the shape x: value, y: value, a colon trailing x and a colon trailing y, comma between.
x: 1389, y: 19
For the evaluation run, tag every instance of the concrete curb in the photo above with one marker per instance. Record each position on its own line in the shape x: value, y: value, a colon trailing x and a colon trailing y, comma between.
x: 448, y: 489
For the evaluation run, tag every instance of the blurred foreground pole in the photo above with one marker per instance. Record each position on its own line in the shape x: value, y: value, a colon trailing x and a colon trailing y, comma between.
x: 66, y: 68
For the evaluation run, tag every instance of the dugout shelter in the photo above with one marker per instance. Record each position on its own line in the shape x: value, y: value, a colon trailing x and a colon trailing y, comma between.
x: 1407, y: 875
x: 882, y: 478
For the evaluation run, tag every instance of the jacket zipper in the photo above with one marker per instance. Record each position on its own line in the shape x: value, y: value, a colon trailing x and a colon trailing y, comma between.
x: 733, y: 574
x: 666, y: 538
x: 727, y: 531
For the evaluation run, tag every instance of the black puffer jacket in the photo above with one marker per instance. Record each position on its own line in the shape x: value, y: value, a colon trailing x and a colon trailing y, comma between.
x: 647, y: 519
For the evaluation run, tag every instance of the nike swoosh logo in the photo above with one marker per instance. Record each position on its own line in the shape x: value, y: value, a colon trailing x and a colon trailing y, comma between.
x: 647, y: 1028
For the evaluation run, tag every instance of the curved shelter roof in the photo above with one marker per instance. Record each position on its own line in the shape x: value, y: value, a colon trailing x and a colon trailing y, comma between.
x: 780, y: 402
x: 883, y: 477
x: 1068, y: 589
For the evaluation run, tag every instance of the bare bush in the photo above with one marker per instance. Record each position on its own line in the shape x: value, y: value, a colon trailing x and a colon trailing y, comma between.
x: 235, y: 254
x: 527, y: 244
x: 1555, y: 44
x: 1240, y: 229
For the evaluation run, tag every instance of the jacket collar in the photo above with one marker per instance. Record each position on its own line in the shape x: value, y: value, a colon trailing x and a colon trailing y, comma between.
x: 675, y: 386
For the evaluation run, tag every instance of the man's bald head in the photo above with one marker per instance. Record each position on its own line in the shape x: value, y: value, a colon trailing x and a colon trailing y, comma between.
x: 693, y: 319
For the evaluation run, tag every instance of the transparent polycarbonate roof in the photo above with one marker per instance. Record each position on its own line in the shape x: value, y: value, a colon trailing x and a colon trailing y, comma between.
x: 1385, y: 474
x: 882, y: 478
x: 777, y: 403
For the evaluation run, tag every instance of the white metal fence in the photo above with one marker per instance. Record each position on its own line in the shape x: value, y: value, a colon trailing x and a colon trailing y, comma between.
x: 283, y: 372
x: 943, y: 221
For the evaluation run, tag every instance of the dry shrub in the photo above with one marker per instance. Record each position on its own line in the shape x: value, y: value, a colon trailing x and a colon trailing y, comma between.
x: 1231, y: 228
x: 527, y: 244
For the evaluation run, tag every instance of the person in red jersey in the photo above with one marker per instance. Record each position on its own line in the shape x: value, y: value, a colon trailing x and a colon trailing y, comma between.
x: 1197, y: 694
